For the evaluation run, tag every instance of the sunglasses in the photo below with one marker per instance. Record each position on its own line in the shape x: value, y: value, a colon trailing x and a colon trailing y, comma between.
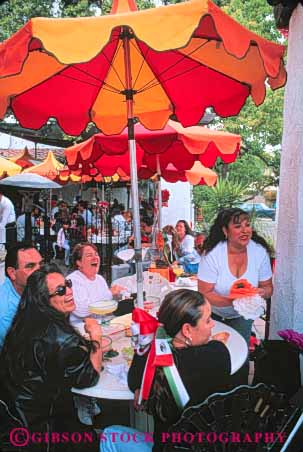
x: 61, y: 290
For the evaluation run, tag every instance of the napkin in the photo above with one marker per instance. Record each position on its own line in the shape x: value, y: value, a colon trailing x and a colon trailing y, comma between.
x: 242, y: 288
x: 120, y: 371
x: 251, y: 308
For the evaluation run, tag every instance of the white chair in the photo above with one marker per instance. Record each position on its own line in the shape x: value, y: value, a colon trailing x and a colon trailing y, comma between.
x: 154, y: 284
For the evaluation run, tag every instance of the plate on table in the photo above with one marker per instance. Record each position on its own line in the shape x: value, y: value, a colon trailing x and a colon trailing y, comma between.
x: 185, y: 282
x: 126, y: 255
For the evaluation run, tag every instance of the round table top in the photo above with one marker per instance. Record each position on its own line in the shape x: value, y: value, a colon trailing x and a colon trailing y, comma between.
x: 235, y: 344
x: 110, y: 387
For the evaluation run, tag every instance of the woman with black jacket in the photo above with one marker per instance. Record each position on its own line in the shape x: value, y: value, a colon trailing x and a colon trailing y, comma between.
x: 43, y: 357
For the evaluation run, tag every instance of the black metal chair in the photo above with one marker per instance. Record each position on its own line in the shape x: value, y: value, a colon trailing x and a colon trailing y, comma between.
x: 246, y: 410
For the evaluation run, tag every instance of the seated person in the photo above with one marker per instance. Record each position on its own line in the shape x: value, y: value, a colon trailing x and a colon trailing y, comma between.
x: 88, y: 285
x: 120, y: 224
x: 146, y: 225
x: 63, y: 241
x: 184, y: 248
x: 20, y: 262
x: 43, y: 357
x: 199, y: 240
x: 204, y: 366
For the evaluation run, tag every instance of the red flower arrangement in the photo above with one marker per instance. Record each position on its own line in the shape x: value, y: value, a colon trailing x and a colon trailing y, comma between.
x: 293, y: 337
x: 103, y: 204
x: 165, y: 197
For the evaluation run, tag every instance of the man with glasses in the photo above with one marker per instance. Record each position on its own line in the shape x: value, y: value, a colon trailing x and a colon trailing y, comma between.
x: 20, y: 262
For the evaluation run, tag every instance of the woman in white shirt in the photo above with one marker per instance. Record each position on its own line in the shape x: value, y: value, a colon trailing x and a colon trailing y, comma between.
x: 88, y: 285
x: 233, y: 251
x: 184, y: 248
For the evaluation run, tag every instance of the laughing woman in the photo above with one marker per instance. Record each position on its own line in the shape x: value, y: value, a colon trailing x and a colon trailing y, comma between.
x: 42, y: 358
x: 88, y: 285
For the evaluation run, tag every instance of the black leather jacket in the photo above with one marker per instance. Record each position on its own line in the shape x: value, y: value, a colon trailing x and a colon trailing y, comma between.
x: 41, y: 399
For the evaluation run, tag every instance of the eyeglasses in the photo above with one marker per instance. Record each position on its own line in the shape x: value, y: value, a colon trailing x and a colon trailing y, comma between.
x: 61, y: 290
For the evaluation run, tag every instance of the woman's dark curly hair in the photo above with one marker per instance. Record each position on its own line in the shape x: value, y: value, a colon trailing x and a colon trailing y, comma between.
x: 33, y: 316
x: 178, y: 307
x: 216, y: 234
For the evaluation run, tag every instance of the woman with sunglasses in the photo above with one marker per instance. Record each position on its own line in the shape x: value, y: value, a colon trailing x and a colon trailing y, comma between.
x: 43, y: 357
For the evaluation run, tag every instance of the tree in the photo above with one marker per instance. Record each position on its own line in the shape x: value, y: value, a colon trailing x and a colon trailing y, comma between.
x: 226, y: 194
x: 15, y: 13
x: 260, y: 128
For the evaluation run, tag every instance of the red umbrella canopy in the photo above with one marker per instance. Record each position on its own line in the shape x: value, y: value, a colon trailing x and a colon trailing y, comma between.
x: 177, y: 59
x: 173, y: 145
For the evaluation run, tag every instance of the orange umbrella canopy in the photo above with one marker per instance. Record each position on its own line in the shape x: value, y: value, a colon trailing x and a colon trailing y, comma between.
x: 180, y: 59
x: 170, y: 152
x: 23, y: 159
x: 8, y: 168
x: 48, y: 168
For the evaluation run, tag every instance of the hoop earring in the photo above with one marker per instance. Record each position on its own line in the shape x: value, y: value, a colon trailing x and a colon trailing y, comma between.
x: 189, y: 340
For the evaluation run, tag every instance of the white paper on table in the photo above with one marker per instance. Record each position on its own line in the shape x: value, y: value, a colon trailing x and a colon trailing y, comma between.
x: 120, y: 371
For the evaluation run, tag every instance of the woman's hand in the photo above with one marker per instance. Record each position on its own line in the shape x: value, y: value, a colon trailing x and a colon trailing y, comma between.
x: 93, y: 329
x: 116, y: 289
x: 262, y: 292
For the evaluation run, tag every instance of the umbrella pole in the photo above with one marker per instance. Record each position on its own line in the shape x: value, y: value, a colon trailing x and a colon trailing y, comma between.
x: 126, y: 35
x: 159, y: 194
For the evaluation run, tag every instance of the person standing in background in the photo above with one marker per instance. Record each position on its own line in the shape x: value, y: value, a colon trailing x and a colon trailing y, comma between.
x: 8, y: 232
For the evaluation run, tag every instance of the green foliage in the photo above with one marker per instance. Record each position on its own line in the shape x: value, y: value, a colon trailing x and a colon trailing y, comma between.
x: 225, y: 194
x: 260, y: 128
x: 15, y: 13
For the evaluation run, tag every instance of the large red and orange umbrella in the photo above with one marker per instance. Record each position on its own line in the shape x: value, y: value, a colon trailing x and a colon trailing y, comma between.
x: 177, y: 59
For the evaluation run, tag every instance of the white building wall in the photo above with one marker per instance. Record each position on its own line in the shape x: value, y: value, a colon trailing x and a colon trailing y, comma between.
x: 179, y: 205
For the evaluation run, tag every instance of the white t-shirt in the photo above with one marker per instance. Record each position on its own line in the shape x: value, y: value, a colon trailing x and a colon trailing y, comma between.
x: 214, y: 269
x: 85, y: 292
x: 7, y: 211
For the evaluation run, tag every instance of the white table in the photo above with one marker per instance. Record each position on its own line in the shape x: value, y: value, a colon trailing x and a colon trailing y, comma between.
x: 109, y: 387
x: 236, y: 345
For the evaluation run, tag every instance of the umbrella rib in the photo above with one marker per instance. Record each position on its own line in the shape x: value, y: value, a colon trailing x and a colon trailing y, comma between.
x: 109, y: 87
x: 152, y: 82
x: 143, y: 61
x: 111, y: 63
x: 156, y: 82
